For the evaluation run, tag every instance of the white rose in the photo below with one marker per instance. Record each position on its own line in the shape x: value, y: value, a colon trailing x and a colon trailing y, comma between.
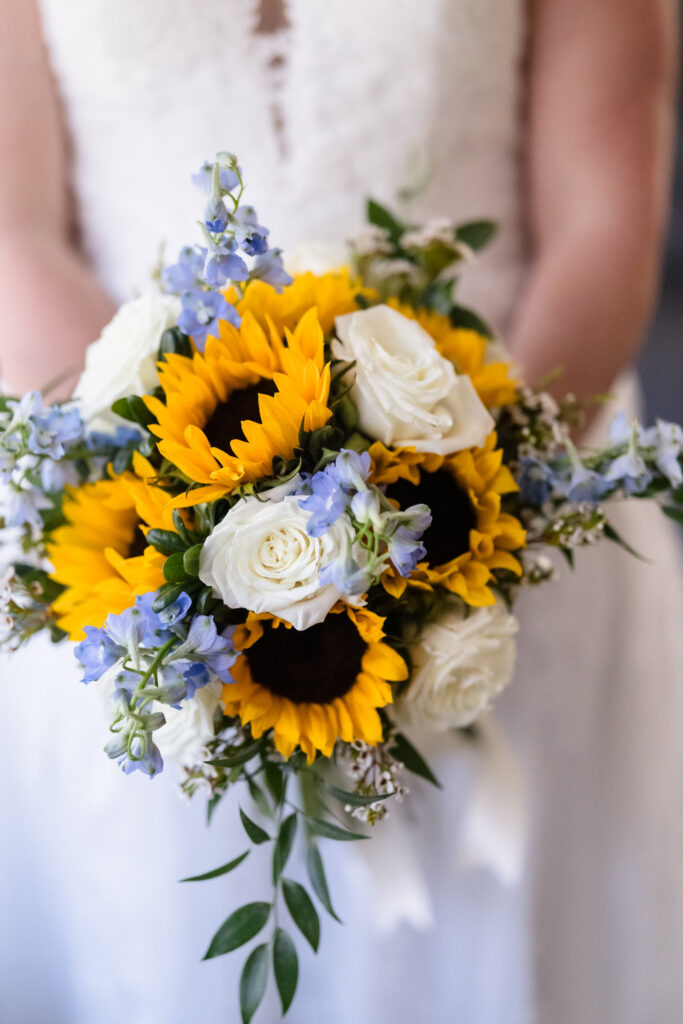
x: 123, y: 359
x: 315, y: 258
x: 407, y: 394
x: 260, y: 557
x: 189, y: 728
x: 460, y: 664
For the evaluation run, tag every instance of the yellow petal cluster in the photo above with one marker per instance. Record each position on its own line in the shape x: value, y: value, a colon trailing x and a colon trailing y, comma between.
x: 483, y: 477
x: 91, y: 552
x: 194, y: 387
x: 331, y: 294
x: 317, y: 726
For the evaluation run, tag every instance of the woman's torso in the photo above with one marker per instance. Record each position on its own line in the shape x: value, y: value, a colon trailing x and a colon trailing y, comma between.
x: 347, y: 99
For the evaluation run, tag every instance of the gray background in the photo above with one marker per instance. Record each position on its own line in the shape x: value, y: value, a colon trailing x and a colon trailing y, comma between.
x: 661, y: 362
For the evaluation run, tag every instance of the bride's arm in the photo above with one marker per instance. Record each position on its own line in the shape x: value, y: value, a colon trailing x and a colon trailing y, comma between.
x: 602, y: 97
x: 51, y: 305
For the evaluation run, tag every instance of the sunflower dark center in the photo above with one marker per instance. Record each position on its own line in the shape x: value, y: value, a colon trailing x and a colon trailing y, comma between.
x: 452, y: 514
x: 138, y: 544
x: 313, y: 666
x: 225, y: 425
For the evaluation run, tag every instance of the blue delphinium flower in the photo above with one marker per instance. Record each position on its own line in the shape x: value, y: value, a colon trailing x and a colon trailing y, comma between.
x: 55, y: 476
x: 228, y: 177
x: 326, y: 502
x: 382, y: 533
x: 629, y: 471
x: 668, y: 440
x: 187, y: 272
x: 587, y: 485
x: 365, y: 508
x: 34, y: 441
x: 216, y: 215
x: 351, y: 470
x: 144, y: 757
x: 31, y: 427
x: 223, y: 265
x: 405, y: 545
x: 22, y: 505
x: 205, y: 645
x: 155, y: 658
x: 249, y: 235
x: 53, y: 430
x: 132, y: 744
x: 328, y: 493
x: 536, y: 480
x: 201, y: 312
x: 347, y: 575
x: 97, y: 653
x: 271, y: 269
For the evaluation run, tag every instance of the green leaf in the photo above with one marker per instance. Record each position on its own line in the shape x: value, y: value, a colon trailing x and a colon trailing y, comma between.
x: 316, y: 873
x: 212, y: 805
x: 331, y: 831
x: 405, y: 752
x: 188, y: 536
x: 476, y: 233
x: 382, y: 218
x: 259, y: 798
x: 174, y: 568
x: 285, y: 967
x: 205, y: 601
x: 569, y: 556
x: 673, y: 513
x: 122, y: 460
x: 166, y: 541
x: 283, y: 846
x: 612, y: 534
x: 165, y: 595
x: 134, y: 409
x: 241, y: 756
x: 439, y: 296
x: 173, y: 340
x: 355, y: 799
x: 276, y: 779
x: 217, y: 872
x: 462, y: 317
x: 254, y: 831
x: 191, y: 560
x: 304, y: 914
x: 253, y: 982
x: 242, y: 925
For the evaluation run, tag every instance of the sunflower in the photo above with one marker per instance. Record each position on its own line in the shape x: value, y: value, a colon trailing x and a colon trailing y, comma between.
x: 316, y: 686
x: 100, y: 555
x: 467, y: 349
x: 230, y: 410
x: 332, y: 294
x: 469, y: 537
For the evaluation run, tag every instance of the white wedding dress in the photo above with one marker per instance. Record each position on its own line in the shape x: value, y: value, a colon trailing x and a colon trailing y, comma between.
x: 347, y: 98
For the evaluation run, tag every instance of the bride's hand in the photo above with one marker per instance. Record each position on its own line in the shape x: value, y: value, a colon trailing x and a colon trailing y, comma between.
x: 601, y: 109
x: 51, y: 305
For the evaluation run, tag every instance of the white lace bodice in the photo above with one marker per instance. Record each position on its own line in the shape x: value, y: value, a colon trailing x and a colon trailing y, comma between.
x: 335, y: 105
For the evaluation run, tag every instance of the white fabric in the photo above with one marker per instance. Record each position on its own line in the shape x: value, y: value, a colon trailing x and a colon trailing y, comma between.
x: 93, y: 927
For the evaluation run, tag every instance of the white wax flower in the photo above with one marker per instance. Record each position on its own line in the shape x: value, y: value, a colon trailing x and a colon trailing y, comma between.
x: 460, y: 664
x: 407, y: 394
x: 260, y: 557
x: 123, y: 359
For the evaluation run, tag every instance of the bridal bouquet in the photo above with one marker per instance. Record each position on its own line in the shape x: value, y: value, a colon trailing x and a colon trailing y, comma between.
x: 286, y: 519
